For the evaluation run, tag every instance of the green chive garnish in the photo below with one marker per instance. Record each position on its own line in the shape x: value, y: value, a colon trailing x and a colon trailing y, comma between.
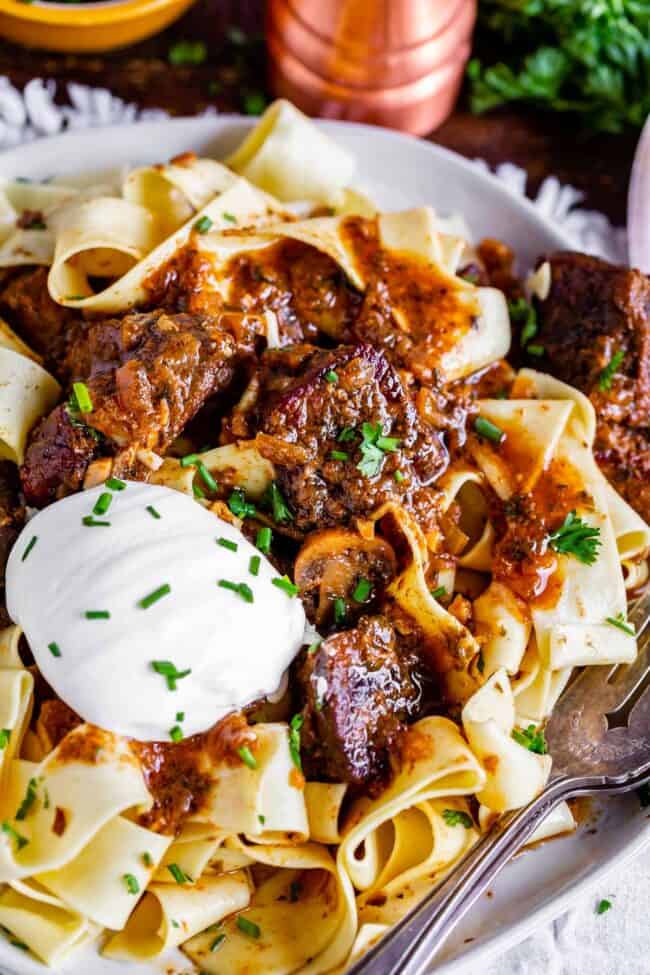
x: 91, y: 522
x: 203, y: 224
x: 132, y: 884
x: 154, y: 596
x: 264, y: 539
x: 261, y: 819
x: 28, y: 800
x: 313, y: 647
x: 180, y: 715
x: 230, y: 217
x: 603, y: 906
x: 439, y: 592
x: 97, y: 614
x: 197, y: 492
x: 362, y: 590
x: 176, y: 733
x: 152, y: 511
x: 294, y: 740
x: 218, y: 941
x: 168, y: 670
x: 19, y: 840
x: 247, y: 756
x: 239, y: 506
x: 488, y: 430
x: 82, y: 396
x: 248, y: 928
x: 147, y: 859
x: 456, y: 817
x: 331, y: 376
x: 5, y: 735
x: 114, y: 484
x: 254, y: 565
x: 190, y: 460
x: 340, y: 609
x: 620, y: 622
x: 103, y: 503
x: 399, y: 477
x: 537, y: 350
x: 54, y: 649
x: 286, y: 585
x: 226, y: 543
x: 206, y: 476
x: 240, y: 588
x: 30, y: 546
x: 177, y: 873
x: 339, y: 455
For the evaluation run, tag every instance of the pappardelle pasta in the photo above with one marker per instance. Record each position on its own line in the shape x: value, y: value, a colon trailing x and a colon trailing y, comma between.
x: 306, y: 527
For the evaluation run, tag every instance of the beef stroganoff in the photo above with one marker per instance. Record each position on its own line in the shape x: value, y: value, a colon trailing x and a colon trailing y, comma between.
x: 309, y: 513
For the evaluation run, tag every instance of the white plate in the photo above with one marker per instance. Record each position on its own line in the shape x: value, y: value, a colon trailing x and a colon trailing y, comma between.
x: 399, y: 171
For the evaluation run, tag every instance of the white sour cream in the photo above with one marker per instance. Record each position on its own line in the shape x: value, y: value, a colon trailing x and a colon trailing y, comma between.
x: 237, y: 651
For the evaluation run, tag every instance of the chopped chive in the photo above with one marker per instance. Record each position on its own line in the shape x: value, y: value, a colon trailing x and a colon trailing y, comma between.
x: 261, y: 819
x: 218, y: 941
x: 488, y: 430
x: 606, y: 375
x: 206, y: 477
x: 247, y: 756
x: 28, y: 800
x: 103, y: 503
x: 620, y: 622
x: 154, y: 596
x: 54, y: 649
x: 176, y: 733
x: 115, y: 484
x: 147, y: 859
x: 9, y: 830
x: 537, y: 350
x: 190, y: 460
x: 152, y: 511
x: 340, y: 609
x: 362, y: 590
x: 439, y: 592
x: 203, y: 224
x: 175, y: 923
x: 5, y: 735
x: 273, y: 498
x: 239, y: 506
x: 399, y: 477
x: 180, y: 715
x: 248, y: 928
x: 32, y: 543
x: 313, y: 647
x: 331, y: 376
x: 226, y: 543
x: 197, y: 492
x: 241, y: 588
x: 230, y: 217
x: 285, y: 583
x: 531, y: 738
x: 346, y: 435
x: 91, y: 522
x: 168, y: 670
x: 97, y: 614
x: 294, y: 740
x: 254, y: 565
x: 132, y: 884
x: 177, y: 873
x: 456, y: 817
x: 339, y: 455
x: 82, y: 397
x: 264, y: 539
x: 603, y: 906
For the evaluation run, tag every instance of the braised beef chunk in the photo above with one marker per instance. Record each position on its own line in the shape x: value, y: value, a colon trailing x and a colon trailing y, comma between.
x: 345, y: 437
x: 147, y: 375
x: 595, y: 329
x: 12, y: 518
x: 358, y: 691
x: 46, y: 327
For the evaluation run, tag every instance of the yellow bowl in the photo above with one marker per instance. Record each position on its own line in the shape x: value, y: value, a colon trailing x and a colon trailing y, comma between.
x: 80, y: 27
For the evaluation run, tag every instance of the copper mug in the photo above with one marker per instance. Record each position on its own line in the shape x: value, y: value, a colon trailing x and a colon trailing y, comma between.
x: 398, y: 63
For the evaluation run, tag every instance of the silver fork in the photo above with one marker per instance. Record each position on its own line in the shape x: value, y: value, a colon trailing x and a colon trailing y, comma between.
x: 599, y: 737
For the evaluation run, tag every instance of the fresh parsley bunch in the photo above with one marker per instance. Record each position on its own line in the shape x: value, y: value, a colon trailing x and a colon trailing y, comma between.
x: 591, y: 57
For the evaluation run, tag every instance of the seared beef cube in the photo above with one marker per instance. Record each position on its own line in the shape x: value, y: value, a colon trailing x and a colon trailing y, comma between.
x: 345, y: 437
x: 358, y: 691
x: 147, y: 375
x: 12, y: 518
x: 48, y: 328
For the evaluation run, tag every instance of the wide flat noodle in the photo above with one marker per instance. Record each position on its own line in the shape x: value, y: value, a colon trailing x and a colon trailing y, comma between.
x: 45, y: 924
x: 16, y: 687
x: 27, y: 392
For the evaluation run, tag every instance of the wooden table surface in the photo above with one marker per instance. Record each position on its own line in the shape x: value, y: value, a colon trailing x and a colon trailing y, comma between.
x: 543, y: 144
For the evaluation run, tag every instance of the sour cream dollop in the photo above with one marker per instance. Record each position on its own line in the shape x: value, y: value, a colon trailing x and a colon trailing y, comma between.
x: 235, y: 650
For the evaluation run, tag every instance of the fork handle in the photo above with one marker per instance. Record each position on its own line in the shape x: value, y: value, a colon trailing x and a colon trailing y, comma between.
x: 408, y: 948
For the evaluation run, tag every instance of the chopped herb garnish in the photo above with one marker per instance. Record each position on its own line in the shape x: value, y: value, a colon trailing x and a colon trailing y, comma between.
x: 254, y: 565
x: 254, y: 103
x: 286, y: 585
x: 313, y: 647
x: 241, y: 588
x: 154, y: 596
x: 203, y: 224
x: 346, y: 435
x: 218, y: 941
x: 603, y: 906
x: 187, y: 53
x: 606, y: 376
x: 28, y: 800
x: 5, y: 735
x: 91, y: 522
x: 226, y: 543
x: 488, y: 430
x: 177, y: 874
x: 103, y: 503
x: 115, y: 484
x: 230, y: 217
x: 97, y: 614
x: 147, y: 859
x: 522, y: 313
x: 9, y: 830
x: 248, y: 928
x: 54, y: 649
x: 531, y: 738
x: 239, y: 506
x: 30, y: 546
x: 362, y: 590
x: 152, y: 511
x: 132, y: 884
x: 274, y: 500
x: 247, y: 756
x: 190, y: 460
x: 456, y: 817
x: 180, y: 715
x: 439, y: 592
x: 14, y: 942
x: 82, y: 397
x: 167, y: 670
x: 176, y: 733
x: 197, y: 492
x: 373, y: 447
x: 536, y: 350
x: 294, y: 740
x: 576, y: 537
x: 263, y: 539
x: 339, y: 455
x: 206, y: 476
x: 261, y: 819
x: 621, y: 623
x: 340, y: 610
x: 331, y: 376
x: 399, y: 477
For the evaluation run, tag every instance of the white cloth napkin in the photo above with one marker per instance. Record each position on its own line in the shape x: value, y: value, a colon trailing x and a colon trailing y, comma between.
x: 580, y: 942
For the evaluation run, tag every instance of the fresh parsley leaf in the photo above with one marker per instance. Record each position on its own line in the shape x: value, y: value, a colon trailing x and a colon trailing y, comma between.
x: 531, y: 738
x: 456, y: 817
x: 575, y: 537
x: 606, y: 377
x: 373, y: 447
